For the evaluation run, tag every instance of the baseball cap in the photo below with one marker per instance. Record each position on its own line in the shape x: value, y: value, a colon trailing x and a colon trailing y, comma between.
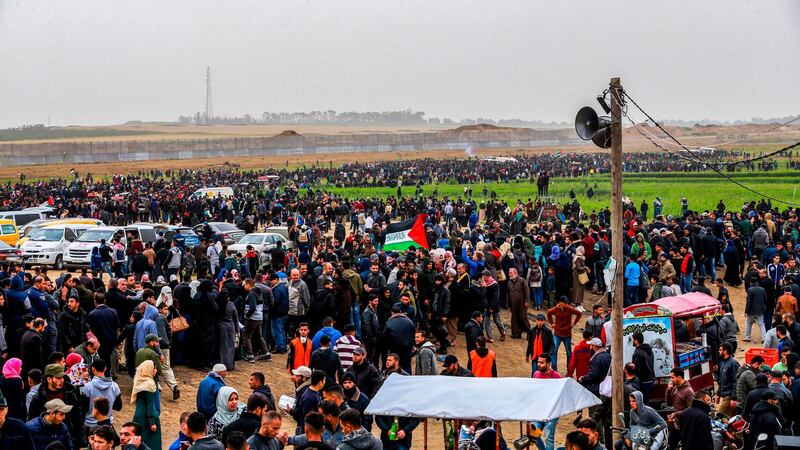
x: 449, y: 360
x: 540, y: 316
x: 219, y: 368
x: 150, y: 338
x: 302, y: 371
x: 57, y: 405
x: 3, y: 402
x: 54, y: 370
x: 596, y: 341
x: 359, y: 351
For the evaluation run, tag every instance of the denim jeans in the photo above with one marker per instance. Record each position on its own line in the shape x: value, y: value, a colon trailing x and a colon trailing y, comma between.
x: 631, y: 295
x: 490, y: 317
x: 537, y: 294
x: 759, y: 320
x: 709, y: 268
x: 355, y: 317
x: 557, y: 340
x: 107, y: 268
x: 547, y: 440
x: 279, y: 333
x: 686, y: 283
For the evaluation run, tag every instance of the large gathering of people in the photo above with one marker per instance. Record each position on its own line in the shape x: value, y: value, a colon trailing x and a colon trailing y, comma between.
x: 343, y: 314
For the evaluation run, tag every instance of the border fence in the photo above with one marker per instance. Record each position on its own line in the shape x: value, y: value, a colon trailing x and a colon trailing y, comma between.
x: 284, y: 144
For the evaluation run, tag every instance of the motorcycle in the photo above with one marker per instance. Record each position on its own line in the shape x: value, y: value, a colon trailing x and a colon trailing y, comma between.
x: 640, y: 437
x: 728, y: 432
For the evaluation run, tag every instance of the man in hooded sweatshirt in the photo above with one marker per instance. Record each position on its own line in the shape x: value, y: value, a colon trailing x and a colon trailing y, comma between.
x: 356, y: 437
x: 426, y: 357
x: 145, y: 326
x: 17, y: 305
x: 101, y: 386
x: 647, y: 417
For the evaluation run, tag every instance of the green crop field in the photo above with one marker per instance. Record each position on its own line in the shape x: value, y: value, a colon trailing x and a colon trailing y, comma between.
x: 703, y: 190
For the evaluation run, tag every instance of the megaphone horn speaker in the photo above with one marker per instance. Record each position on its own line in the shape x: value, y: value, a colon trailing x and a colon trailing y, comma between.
x: 602, y: 138
x: 586, y: 123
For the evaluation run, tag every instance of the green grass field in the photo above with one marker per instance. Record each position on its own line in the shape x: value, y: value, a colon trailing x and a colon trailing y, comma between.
x: 703, y: 190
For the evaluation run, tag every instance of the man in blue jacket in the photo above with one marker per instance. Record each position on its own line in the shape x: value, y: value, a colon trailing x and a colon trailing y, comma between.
x: 49, y: 426
x: 280, y: 309
x: 209, y: 388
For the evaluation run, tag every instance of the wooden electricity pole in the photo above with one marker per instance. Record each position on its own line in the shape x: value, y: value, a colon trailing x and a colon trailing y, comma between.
x: 618, y: 394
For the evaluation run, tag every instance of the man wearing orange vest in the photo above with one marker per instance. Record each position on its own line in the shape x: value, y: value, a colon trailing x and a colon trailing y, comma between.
x: 299, y: 349
x: 482, y: 362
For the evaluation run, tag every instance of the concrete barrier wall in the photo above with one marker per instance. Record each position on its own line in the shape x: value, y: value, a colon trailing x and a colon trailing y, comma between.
x: 22, y: 154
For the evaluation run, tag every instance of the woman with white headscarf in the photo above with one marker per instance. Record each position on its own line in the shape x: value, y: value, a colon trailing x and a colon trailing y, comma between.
x: 144, y: 396
x: 165, y: 296
x: 229, y: 408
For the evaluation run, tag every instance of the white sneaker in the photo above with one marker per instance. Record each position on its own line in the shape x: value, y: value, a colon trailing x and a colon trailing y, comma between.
x: 581, y: 308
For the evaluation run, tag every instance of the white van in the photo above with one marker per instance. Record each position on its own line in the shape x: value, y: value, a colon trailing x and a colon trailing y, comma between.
x: 213, y: 192
x: 79, y: 253
x: 24, y: 217
x: 46, y: 245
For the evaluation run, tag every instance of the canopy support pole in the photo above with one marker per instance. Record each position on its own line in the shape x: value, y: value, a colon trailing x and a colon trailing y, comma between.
x: 425, y: 445
x: 497, y: 436
x: 456, y: 432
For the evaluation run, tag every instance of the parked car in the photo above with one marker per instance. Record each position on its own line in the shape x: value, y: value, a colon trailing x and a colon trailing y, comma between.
x: 8, y: 232
x: 260, y: 242
x: 191, y: 238
x: 10, y: 254
x: 228, y: 232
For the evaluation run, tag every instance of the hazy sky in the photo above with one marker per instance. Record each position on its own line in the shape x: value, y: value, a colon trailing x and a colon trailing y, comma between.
x: 103, y: 61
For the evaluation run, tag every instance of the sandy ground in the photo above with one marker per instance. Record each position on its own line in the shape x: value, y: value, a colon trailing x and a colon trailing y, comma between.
x: 510, y: 362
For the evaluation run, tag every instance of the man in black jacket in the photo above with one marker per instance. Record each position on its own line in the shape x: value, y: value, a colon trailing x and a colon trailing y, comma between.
x: 767, y: 419
x: 695, y: 424
x: 473, y: 330
x: 365, y: 374
x: 440, y: 308
x: 540, y: 340
x: 250, y: 420
x: 398, y: 336
x: 643, y: 359
x: 31, y: 347
x: 326, y: 360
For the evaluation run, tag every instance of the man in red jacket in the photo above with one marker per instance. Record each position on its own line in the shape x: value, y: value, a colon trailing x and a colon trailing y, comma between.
x: 581, y: 354
x: 561, y: 317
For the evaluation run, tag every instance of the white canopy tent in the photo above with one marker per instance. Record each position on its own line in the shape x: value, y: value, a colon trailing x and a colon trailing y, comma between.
x: 494, y: 399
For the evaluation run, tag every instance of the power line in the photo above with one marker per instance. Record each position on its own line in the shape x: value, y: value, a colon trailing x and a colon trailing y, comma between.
x: 697, y: 157
x: 743, y: 161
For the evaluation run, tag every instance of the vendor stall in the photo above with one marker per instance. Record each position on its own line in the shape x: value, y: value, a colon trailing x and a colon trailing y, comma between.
x: 658, y: 322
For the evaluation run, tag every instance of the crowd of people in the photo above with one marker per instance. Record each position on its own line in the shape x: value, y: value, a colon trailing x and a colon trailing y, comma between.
x: 347, y: 314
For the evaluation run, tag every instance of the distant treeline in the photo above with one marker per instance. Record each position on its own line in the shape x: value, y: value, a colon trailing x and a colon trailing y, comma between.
x: 388, y: 118
x: 40, y: 131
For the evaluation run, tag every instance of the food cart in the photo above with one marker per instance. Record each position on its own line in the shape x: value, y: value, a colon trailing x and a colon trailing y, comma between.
x: 497, y: 400
x: 656, y: 321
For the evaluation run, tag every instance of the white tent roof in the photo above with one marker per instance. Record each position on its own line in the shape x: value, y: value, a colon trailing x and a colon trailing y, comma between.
x: 498, y: 399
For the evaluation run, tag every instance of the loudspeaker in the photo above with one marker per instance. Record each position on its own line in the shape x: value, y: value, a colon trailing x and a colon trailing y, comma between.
x: 589, y: 126
x: 602, y: 138
x: 586, y: 123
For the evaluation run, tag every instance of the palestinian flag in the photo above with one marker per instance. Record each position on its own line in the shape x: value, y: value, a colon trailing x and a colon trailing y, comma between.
x: 409, y: 233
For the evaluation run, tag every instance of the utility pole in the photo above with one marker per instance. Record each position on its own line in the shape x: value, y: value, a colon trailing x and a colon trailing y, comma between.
x: 618, y: 393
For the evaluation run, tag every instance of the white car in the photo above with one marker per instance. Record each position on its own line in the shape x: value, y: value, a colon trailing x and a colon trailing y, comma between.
x: 260, y: 242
